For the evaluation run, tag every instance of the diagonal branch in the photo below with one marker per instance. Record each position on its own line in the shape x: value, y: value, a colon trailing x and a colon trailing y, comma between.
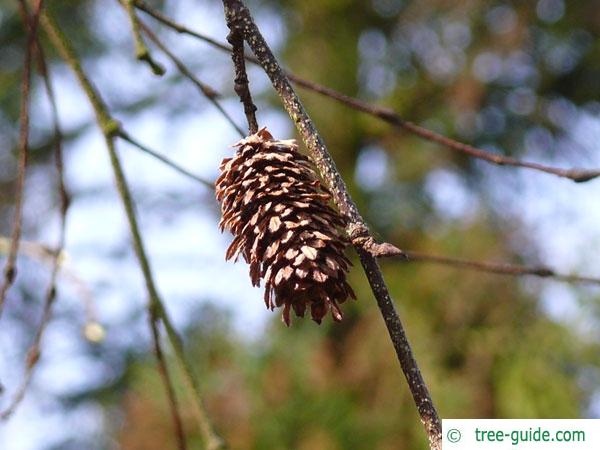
x: 499, y: 268
x: 239, y: 20
x: 416, y: 383
x: 393, y: 118
x: 34, y: 351
x: 10, y: 270
x: 109, y: 128
x: 182, y: 29
x: 121, y: 133
x: 205, y: 89
x: 142, y: 53
x: 388, y: 250
x: 166, y: 378
x: 386, y: 114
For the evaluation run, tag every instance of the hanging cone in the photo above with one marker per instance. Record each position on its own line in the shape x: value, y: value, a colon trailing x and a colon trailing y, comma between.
x: 273, y: 203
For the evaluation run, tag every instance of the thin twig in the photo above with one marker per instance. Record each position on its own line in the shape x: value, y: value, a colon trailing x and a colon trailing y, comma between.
x: 50, y: 296
x: 142, y: 53
x: 499, y: 268
x: 416, y: 383
x: 390, y: 116
x: 384, y: 250
x: 110, y: 128
x: 121, y: 133
x: 34, y: 352
x: 239, y: 19
x: 212, y: 440
x: 182, y: 29
x: 240, y: 81
x: 386, y: 114
x: 166, y: 378
x: 205, y: 89
x: 63, y: 194
x: 43, y: 253
x: 10, y: 269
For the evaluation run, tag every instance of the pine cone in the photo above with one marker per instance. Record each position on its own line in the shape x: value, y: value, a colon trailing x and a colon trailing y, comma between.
x: 274, y: 204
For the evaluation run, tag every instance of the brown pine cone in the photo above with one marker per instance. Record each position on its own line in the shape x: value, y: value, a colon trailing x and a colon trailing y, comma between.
x: 274, y: 204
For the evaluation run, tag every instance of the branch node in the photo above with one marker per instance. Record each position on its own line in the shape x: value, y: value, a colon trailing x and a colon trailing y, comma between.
x: 10, y: 274
x: 156, y: 67
x: 111, y: 127
x: 142, y: 53
x: 32, y: 357
x: 581, y: 176
x: 544, y: 272
x: 360, y: 237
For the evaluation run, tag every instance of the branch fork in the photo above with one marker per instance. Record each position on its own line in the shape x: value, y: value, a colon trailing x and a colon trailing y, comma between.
x: 361, y: 238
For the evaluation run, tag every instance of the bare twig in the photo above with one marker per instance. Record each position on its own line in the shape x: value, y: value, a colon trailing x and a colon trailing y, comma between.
x: 393, y: 118
x: 416, y: 384
x: 382, y: 250
x: 142, y: 53
x: 46, y: 254
x: 126, y: 137
x: 10, y: 269
x: 377, y: 249
x: 34, y: 352
x: 50, y: 296
x: 63, y: 194
x: 499, y: 268
x: 386, y: 114
x: 166, y: 378
x: 239, y: 20
x: 43, y: 253
x: 241, y: 86
x: 182, y: 29
x: 110, y: 128
x: 205, y: 89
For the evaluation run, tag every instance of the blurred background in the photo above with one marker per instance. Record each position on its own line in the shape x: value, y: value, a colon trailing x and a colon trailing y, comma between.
x: 517, y: 78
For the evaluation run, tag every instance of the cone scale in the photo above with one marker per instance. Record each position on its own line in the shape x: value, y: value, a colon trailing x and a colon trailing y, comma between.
x: 273, y: 203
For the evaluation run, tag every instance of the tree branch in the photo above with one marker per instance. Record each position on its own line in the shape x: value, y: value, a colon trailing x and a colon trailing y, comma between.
x: 110, y: 128
x: 166, y: 378
x: 383, y: 250
x: 239, y: 19
x: 205, y: 89
x: 10, y: 270
x: 416, y: 384
x: 142, y: 53
x: 393, y: 118
x: 386, y: 114
x: 121, y: 133
x: 499, y: 268
x: 50, y: 295
x: 241, y: 87
x: 182, y: 29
